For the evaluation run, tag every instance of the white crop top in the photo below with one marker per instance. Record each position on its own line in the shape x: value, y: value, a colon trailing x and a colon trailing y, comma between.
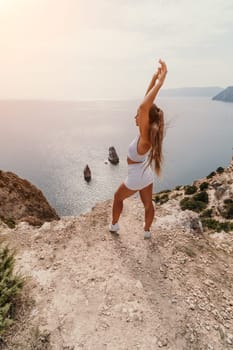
x: 133, y: 153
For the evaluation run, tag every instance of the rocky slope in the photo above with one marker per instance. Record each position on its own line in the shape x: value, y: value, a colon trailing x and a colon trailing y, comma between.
x: 21, y: 201
x: 92, y: 290
x: 210, y: 199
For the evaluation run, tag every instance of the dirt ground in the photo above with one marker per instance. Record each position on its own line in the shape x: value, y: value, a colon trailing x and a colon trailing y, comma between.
x: 92, y: 290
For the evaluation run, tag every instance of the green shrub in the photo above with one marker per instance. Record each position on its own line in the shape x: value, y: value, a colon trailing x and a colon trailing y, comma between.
x: 191, y: 204
x: 9, y: 222
x: 228, y: 209
x: 190, y: 189
x: 10, y: 286
x: 204, y: 186
x: 210, y: 223
x: 201, y: 196
x: 211, y: 175
x: 164, y: 191
x: 228, y: 201
x: 161, y: 199
x: 206, y: 213
x: 155, y: 198
x: 215, y: 225
x: 226, y: 226
x: 220, y: 170
x: 178, y: 188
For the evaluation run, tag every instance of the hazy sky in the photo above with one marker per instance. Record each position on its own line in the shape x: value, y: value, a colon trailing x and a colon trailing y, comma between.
x: 82, y: 49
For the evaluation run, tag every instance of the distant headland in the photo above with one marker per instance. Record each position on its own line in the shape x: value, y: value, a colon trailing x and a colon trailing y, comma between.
x: 214, y: 92
x: 208, y: 91
x: 225, y: 95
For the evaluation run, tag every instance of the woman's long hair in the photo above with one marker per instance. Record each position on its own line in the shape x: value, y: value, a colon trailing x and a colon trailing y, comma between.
x: 156, y: 135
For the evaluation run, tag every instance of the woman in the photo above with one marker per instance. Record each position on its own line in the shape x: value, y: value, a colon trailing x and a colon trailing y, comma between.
x: 144, y: 150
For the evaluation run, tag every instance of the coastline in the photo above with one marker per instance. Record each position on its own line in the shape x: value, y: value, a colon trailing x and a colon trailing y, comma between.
x: 175, y: 289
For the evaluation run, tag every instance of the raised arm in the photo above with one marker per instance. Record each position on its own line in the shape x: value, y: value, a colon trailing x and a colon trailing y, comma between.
x: 153, y: 80
x: 154, y: 87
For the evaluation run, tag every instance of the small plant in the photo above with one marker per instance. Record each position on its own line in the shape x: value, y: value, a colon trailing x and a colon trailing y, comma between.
x: 226, y: 226
x: 10, y: 287
x: 190, y: 189
x: 161, y: 199
x: 204, y: 186
x: 228, y: 201
x: 228, y: 209
x: 201, y: 196
x: 164, y: 198
x: 10, y: 222
x: 191, y: 204
x: 215, y: 225
x: 220, y: 170
x: 164, y: 191
x: 156, y: 198
x: 178, y: 188
x: 211, y: 175
x: 206, y: 213
x: 210, y: 223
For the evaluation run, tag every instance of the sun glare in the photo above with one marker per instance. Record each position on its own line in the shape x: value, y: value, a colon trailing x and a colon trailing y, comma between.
x: 7, y: 3
x: 4, y: 3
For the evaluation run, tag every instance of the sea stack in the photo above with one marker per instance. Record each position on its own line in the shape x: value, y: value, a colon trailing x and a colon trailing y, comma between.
x: 112, y: 156
x: 87, y: 173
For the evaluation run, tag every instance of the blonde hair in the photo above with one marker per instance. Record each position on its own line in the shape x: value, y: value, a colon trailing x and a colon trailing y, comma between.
x: 156, y: 135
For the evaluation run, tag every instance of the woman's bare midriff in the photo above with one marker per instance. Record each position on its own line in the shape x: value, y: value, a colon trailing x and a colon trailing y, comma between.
x: 130, y: 161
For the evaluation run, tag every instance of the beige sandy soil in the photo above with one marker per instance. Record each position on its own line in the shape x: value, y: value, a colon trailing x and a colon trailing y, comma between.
x: 92, y: 290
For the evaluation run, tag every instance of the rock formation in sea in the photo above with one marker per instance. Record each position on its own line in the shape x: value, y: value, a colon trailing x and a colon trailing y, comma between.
x: 22, y: 201
x: 225, y: 95
x: 87, y: 173
x: 112, y: 155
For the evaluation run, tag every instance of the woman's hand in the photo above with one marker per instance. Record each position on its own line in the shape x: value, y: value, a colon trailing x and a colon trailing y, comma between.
x: 162, y: 72
x: 154, y: 87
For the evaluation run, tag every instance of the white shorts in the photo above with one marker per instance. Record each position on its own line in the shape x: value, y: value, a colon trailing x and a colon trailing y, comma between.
x: 139, y: 176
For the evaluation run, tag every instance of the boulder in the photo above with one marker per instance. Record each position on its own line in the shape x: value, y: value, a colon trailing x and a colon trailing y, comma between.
x: 190, y: 221
x: 22, y: 201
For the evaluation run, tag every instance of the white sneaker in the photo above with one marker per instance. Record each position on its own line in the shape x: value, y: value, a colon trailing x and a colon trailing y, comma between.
x: 147, y: 235
x: 114, y: 228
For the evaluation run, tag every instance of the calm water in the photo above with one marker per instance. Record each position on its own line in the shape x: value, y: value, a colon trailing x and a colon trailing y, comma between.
x: 49, y: 143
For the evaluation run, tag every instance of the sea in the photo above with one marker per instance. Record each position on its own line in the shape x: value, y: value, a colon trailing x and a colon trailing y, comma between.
x: 50, y: 142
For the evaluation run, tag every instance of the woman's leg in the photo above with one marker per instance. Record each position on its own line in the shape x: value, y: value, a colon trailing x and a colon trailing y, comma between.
x: 146, y: 197
x: 122, y: 193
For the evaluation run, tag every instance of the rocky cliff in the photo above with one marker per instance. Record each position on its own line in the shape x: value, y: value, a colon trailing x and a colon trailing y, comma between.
x: 92, y: 290
x: 225, y: 95
x: 21, y: 201
x: 210, y: 200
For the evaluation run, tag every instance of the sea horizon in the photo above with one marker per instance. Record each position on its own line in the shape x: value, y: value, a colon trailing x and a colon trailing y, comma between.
x: 49, y: 144
x: 194, y: 91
